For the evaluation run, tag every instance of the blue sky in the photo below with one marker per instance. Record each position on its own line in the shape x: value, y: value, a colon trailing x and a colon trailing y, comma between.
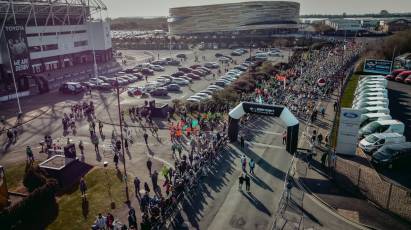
x: 144, y: 8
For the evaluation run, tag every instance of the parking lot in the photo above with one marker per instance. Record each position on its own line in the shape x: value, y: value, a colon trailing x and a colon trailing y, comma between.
x: 194, y: 87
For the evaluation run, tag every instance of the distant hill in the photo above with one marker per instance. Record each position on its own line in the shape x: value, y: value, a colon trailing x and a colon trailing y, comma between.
x: 157, y: 23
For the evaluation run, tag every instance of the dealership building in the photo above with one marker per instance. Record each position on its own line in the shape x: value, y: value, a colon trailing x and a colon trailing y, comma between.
x: 41, y: 41
x: 259, y: 17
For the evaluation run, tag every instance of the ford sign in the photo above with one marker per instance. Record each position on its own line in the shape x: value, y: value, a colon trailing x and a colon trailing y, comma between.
x: 350, y: 115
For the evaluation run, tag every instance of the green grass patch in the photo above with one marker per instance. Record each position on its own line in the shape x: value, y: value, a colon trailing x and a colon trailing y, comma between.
x: 348, y: 95
x: 103, y: 186
x: 14, y: 175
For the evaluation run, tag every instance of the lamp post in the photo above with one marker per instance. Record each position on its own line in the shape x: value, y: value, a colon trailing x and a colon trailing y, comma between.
x: 122, y: 143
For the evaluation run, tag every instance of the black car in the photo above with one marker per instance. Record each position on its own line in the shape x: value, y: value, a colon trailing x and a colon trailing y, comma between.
x: 130, y: 70
x: 217, y: 55
x: 181, y: 56
x: 160, y: 91
x: 147, y: 71
x: 71, y: 88
x: 177, y: 74
x: 159, y: 62
x: 173, y: 87
x: 234, y: 53
x: 392, y: 155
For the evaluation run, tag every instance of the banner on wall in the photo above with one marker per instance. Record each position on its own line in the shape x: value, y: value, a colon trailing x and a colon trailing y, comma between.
x: 18, y: 49
x: 349, y: 126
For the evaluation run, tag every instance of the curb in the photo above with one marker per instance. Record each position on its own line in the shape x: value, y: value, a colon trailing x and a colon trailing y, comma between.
x: 29, y: 120
x: 331, y: 209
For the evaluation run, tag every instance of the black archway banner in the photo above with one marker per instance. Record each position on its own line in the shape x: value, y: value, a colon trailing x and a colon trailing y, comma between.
x: 267, y: 110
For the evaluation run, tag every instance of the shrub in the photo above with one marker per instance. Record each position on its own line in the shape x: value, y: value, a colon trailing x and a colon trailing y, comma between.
x: 34, y: 178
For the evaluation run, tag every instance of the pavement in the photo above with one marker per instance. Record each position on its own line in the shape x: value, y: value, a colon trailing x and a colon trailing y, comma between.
x: 317, y: 182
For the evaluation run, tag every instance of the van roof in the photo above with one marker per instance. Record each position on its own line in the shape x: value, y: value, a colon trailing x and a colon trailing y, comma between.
x: 385, y: 135
x: 374, y: 114
x: 372, y: 98
x: 398, y: 146
x: 389, y: 122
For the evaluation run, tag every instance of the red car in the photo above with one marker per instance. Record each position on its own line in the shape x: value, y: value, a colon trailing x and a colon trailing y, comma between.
x: 185, y: 69
x: 401, y: 77
x: 394, y: 74
x: 408, y: 80
x: 193, y: 76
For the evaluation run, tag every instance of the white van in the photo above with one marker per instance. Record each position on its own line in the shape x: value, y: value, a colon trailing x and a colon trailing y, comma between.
x: 377, y: 90
x: 367, y: 99
x: 369, y: 104
x: 374, y: 82
x: 369, y: 117
x: 384, y: 126
x: 375, y: 109
x: 375, y: 94
x: 374, y: 141
x: 371, y: 78
x: 372, y: 86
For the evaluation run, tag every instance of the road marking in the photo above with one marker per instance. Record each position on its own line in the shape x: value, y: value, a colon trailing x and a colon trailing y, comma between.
x: 261, y: 131
x: 264, y: 145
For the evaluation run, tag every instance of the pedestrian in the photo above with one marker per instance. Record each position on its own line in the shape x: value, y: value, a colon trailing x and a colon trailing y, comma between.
x: 289, y: 186
x: 240, y: 182
x: 14, y: 130
x: 322, y: 111
x: 180, y: 150
x: 146, y: 187
x: 100, y: 222
x: 326, y: 139
x: 323, y: 158
x: 83, y: 187
x: 149, y: 164
x: 126, y: 144
x: 251, y: 163
x: 81, y: 147
x: 29, y: 153
x: 154, y: 179
x: 247, y: 182
x: 90, y: 128
x: 93, y: 125
x: 100, y: 127
x: 132, y: 221
x: 335, y: 106
x: 137, y: 186
x: 109, y: 220
x: 243, y: 163
x: 242, y: 141
x: 10, y: 135
x: 145, y: 135
x: 320, y: 139
x: 309, y: 159
x: 115, y: 159
x: 284, y: 137
x: 94, y: 140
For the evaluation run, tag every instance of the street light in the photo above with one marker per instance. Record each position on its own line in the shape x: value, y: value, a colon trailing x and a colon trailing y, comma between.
x: 122, y: 143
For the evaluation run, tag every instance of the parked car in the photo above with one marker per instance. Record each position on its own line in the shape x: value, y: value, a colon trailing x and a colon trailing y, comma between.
x: 95, y: 81
x: 207, y: 91
x: 224, y: 60
x: 181, y: 56
x: 160, y: 91
x: 185, y: 69
x: 104, y: 86
x: 212, y: 65
x: 383, y: 126
x: 71, y: 88
x: 157, y: 68
x: 139, y: 76
x: 408, y: 80
x: 221, y: 83
x: 87, y: 84
x: 177, y: 74
x: 214, y: 88
x: 159, y: 62
x: 147, y: 71
x: 217, y: 55
x: 136, y: 91
x: 187, y: 78
x: 173, y: 87
x: 180, y: 81
x: 130, y: 70
x: 204, y: 96
x: 193, y: 76
x: 163, y: 80
x: 195, y: 66
x: 394, y: 74
x: 274, y: 54
x: 193, y: 100
x: 240, y: 67
x: 375, y: 141
x: 172, y: 62
x: 392, y: 155
x: 235, y: 53
x: 205, y: 69
x: 402, y: 76
x: 199, y: 73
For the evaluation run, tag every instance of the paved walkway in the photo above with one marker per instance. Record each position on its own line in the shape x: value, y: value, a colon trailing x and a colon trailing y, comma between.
x: 317, y: 182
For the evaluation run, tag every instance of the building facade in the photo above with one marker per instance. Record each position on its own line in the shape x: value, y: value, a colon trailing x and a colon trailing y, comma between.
x: 272, y: 16
x: 42, y: 37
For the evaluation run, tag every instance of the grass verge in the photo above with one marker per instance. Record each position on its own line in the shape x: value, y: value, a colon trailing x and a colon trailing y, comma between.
x: 14, y: 175
x: 103, y: 186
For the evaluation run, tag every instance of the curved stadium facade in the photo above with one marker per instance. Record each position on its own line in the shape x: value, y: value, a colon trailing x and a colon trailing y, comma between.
x: 276, y: 16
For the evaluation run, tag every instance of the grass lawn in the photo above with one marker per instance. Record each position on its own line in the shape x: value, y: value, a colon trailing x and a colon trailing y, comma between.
x: 14, y: 175
x: 74, y: 214
x: 348, y: 96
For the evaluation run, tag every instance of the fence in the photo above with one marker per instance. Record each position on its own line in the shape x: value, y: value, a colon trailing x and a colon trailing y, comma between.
x: 367, y: 181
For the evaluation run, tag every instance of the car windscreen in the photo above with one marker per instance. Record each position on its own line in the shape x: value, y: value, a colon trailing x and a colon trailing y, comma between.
x: 371, y: 139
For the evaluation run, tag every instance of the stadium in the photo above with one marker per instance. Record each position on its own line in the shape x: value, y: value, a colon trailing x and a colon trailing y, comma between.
x: 260, y: 17
x: 44, y: 43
